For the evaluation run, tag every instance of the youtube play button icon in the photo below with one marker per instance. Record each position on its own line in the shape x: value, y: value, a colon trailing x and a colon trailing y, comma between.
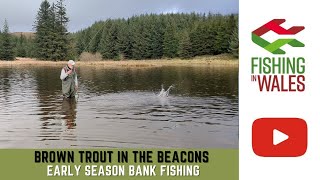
x: 279, y: 137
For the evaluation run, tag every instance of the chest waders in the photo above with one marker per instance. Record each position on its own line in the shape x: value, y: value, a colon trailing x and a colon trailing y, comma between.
x: 69, y: 85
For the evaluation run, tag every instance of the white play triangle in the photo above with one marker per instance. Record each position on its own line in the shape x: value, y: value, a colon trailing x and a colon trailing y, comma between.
x: 279, y: 137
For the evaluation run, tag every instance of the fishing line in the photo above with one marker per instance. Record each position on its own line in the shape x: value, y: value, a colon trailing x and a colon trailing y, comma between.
x: 85, y: 50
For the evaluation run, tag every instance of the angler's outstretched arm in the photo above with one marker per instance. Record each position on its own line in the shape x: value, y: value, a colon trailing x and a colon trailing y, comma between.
x: 63, y: 74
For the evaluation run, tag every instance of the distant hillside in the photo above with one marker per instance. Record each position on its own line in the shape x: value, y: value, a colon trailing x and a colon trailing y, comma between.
x: 26, y: 34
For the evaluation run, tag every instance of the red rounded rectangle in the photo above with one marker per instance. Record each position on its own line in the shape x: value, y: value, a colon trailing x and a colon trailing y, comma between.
x: 263, y: 140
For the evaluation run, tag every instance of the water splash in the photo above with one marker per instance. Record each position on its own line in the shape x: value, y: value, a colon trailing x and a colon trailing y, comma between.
x: 163, y: 92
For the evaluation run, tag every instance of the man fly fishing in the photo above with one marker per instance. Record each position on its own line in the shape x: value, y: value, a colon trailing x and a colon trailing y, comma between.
x: 69, y: 80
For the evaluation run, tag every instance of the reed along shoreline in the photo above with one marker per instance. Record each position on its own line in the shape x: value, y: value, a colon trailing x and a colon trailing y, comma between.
x: 212, y: 62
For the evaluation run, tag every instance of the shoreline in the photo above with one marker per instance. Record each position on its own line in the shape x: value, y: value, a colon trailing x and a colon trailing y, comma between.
x: 212, y: 61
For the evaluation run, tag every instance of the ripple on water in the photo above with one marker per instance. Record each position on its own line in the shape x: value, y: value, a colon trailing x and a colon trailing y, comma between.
x: 115, y: 112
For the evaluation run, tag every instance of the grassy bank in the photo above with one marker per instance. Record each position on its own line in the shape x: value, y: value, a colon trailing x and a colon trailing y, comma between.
x: 223, y: 61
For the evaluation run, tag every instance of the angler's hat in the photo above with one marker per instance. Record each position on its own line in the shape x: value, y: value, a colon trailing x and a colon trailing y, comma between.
x: 71, y: 62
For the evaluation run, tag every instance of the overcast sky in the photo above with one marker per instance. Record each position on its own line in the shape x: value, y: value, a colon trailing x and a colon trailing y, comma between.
x: 82, y: 13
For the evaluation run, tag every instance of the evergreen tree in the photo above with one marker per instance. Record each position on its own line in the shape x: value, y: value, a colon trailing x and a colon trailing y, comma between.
x: 170, y: 41
x: 234, y: 42
x: 6, y: 46
x: 157, y: 33
x: 123, y: 42
x: 52, y: 39
x: 72, y: 50
x: 198, y: 39
x: 52, y: 34
x: 129, y: 40
x: 96, y: 34
x: 42, y: 27
x: 147, y: 33
x: 61, y: 39
x: 0, y: 42
x: 185, y: 48
x: 81, y: 39
x: 225, y: 28
x: 139, y: 41
x: 21, y: 46
x: 31, y: 48
x: 109, y: 49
